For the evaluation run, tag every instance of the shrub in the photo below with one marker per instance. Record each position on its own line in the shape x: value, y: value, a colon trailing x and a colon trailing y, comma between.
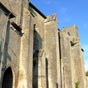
x: 87, y: 73
x: 76, y: 84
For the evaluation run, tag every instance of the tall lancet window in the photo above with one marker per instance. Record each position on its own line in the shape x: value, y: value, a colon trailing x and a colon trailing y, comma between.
x: 0, y: 49
x: 35, y: 58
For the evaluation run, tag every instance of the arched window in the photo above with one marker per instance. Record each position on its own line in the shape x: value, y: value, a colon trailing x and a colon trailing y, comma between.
x: 7, y: 81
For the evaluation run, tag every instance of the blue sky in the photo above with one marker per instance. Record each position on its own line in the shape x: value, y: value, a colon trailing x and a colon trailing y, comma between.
x: 69, y: 12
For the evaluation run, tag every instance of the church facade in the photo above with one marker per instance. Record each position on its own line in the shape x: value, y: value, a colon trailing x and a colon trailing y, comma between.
x: 34, y: 53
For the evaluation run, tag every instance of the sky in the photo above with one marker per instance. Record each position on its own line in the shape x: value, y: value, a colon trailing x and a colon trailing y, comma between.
x: 69, y: 12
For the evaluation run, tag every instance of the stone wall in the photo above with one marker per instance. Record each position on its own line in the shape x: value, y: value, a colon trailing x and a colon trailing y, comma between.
x: 39, y: 55
x: 52, y: 54
x: 39, y: 69
x: 10, y: 50
x: 86, y: 82
x: 66, y: 61
x: 72, y: 58
x: 11, y: 40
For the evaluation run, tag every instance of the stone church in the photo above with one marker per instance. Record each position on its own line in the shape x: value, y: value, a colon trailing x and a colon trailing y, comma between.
x: 34, y: 52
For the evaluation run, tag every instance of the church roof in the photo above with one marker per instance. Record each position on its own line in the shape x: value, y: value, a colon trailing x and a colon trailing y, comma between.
x: 37, y: 10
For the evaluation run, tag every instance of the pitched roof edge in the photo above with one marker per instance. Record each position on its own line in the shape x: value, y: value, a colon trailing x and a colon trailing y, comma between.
x: 36, y: 9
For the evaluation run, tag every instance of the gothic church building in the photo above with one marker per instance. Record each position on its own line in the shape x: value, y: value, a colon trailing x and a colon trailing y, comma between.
x: 34, y: 53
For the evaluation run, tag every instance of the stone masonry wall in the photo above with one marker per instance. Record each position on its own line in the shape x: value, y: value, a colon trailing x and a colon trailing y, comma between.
x: 11, y: 40
x: 12, y: 52
x: 66, y: 59
x: 86, y: 82
x: 52, y: 55
x: 43, y: 56
x: 77, y: 65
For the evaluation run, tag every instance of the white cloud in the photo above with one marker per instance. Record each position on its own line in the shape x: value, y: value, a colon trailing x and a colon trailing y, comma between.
x: 85, y: 25
x: 63, y: 10
x: 49, y: 2
x: 64, y: 16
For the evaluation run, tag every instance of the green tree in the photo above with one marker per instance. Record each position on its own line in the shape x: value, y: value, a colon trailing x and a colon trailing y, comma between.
x: 76, y: 84
x: 87, y: 73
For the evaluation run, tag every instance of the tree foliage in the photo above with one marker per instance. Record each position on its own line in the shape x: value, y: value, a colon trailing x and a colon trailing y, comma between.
x: 77, y: 84
x: 87, y: 73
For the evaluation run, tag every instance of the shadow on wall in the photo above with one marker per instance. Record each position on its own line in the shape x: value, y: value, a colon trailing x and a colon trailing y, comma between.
x: 37, y: 41
x: 47, y: 83
x: 5, y: 45
x: 36, y: 47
